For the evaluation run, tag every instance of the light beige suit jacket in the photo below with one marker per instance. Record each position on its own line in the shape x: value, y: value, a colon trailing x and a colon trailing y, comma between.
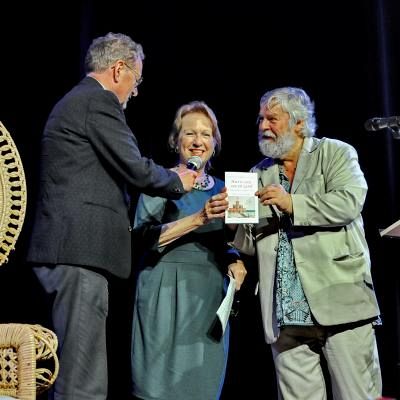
x: 331, y: 253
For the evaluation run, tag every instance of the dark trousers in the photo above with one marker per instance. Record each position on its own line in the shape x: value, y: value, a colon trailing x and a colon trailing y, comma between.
x: 79, y: 314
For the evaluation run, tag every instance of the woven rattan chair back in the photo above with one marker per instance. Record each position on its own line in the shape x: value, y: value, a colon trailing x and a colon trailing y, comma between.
x: 28, y: 360
x: 12, y: 194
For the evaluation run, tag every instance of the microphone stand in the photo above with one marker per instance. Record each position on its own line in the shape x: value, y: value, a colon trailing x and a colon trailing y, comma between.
x: 395, y: 131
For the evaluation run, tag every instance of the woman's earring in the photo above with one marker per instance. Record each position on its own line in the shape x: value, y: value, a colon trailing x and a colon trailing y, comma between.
x: 176, y: 149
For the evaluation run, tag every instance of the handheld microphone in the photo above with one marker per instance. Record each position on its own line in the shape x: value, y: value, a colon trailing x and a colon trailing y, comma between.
x: 375, y: 124
x: 194, y: 163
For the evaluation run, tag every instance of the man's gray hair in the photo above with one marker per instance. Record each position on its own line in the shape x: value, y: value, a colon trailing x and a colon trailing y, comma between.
x: 104, y: 51
x: 296, y: 103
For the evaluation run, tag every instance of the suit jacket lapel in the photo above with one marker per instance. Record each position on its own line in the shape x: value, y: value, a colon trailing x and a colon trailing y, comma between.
x: 303, y: 163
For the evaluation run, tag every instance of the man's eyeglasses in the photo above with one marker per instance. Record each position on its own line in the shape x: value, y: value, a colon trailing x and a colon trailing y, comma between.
x: 138, y: 80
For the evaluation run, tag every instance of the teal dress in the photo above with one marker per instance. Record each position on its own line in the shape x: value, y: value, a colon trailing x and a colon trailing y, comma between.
x: 178, y: 291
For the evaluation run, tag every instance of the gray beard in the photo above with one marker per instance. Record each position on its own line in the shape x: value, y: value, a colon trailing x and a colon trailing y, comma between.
x: 282, y: 145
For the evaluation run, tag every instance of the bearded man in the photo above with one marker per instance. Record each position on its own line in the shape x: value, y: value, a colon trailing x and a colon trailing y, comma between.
x: 315, y: 286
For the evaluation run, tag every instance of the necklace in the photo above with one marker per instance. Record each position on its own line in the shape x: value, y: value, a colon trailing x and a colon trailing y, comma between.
x: 204, y: 182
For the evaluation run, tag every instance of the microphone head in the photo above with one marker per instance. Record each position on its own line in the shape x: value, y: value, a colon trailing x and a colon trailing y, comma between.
x: 376, y: 124
x: 194, y: 163
x: 372, y: 124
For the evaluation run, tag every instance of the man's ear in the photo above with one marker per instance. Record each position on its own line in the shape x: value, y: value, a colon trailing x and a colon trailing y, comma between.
x: 116, y: 70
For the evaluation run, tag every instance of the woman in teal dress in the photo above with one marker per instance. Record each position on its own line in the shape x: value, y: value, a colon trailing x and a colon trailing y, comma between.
x: 182, y: 271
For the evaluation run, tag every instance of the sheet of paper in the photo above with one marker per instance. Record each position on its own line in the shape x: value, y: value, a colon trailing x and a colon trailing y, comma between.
x: 224, y: 309
x: 243, y: 204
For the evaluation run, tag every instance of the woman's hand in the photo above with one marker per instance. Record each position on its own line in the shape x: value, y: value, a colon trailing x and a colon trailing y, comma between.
x: 237, y: 271
x: 215, y: 206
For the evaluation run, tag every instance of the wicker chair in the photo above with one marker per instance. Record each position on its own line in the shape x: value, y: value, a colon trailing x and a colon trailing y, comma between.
x: 28, y: 360
x: 12, y: 194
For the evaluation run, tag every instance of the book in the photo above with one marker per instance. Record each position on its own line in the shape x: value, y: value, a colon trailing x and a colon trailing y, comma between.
x: 392, y: 230
x: 243, y: 204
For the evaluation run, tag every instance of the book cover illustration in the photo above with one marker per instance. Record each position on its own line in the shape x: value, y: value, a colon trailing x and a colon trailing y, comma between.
x: 243, y: 204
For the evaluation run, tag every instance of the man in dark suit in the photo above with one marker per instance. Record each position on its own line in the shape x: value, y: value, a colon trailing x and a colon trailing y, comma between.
x: 81, y: 238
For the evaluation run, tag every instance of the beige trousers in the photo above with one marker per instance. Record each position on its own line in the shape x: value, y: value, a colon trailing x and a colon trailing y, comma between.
x: 352, y: 359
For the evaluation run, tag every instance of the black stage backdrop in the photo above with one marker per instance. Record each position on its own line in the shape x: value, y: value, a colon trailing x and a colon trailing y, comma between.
x: 345, y: 54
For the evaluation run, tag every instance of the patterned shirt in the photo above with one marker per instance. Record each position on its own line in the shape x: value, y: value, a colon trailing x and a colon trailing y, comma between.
x: 291, y: 304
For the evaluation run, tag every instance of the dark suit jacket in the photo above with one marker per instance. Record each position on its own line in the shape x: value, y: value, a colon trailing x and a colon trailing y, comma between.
x: 89, y: 162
